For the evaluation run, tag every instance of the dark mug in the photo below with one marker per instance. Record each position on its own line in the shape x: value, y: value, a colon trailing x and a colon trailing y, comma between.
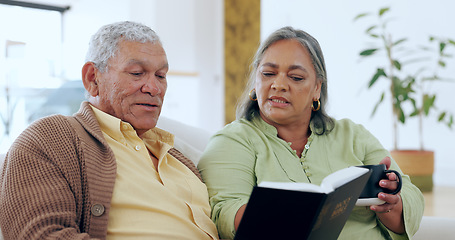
x: 369, y: 195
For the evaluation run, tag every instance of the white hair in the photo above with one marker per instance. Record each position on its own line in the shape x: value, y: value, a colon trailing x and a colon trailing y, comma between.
x: 104, y: 43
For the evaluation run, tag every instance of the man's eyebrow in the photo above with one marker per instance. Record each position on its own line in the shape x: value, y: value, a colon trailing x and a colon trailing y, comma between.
x: 134, y: 62
x: 139, y: 62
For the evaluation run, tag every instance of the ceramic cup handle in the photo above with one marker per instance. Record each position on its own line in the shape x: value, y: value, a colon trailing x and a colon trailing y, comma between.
x: 400, y: 183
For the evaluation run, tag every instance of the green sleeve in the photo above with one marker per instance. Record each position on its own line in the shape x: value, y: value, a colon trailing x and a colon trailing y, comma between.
x: 412, y: 198
x: 227, y: 167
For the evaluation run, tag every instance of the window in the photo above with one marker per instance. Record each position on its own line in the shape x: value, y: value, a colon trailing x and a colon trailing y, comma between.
x: 30, y: 68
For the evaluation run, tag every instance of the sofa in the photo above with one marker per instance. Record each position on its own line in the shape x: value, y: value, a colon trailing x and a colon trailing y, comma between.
x: 191, y: 142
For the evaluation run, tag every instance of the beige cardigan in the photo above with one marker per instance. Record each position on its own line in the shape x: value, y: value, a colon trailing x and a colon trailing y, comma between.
x: 58, y: 178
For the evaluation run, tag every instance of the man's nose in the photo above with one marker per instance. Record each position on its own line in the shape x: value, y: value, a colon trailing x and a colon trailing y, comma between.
x: 151, y: 85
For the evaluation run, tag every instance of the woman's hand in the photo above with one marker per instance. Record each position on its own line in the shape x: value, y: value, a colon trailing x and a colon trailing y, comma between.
x: 391, y: 212
x: 238, y: 216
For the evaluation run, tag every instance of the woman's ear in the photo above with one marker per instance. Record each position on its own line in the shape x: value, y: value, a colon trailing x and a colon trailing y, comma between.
x: 89, y: 78
x: 317, y: 92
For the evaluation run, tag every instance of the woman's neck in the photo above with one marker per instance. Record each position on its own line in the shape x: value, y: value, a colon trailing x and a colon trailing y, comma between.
x: 296, y: 133
x: 297, y: 137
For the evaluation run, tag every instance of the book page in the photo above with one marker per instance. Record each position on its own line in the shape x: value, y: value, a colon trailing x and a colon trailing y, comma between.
x: 307, y: 187
x: 329, y: 183
x: 342, y: 177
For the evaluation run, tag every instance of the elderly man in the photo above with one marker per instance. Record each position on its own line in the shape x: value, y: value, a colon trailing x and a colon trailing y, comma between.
x: 106, y: 172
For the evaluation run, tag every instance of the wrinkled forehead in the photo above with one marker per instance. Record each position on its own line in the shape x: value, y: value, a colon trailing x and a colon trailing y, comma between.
x: 131, y: 52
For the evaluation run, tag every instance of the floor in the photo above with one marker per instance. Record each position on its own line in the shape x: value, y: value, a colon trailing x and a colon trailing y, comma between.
x: 439, y: 202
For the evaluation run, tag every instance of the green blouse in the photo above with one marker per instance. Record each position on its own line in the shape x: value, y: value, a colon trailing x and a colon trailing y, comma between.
x: 246, y: 153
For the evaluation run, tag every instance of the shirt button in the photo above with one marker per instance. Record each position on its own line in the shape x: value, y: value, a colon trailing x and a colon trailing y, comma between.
x: 124, y: 127
x: 97, y: 210
x: 309, y: 174
x: 137, y: 147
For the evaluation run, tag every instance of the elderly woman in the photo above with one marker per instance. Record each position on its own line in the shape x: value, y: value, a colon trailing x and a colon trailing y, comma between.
x: 283, y: 133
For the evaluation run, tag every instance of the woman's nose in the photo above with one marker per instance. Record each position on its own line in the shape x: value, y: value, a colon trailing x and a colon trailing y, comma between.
x: 279, y: 83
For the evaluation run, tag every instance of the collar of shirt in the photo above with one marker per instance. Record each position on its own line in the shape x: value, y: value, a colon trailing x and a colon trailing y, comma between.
x: 269, y: 129
x: 116, y: 128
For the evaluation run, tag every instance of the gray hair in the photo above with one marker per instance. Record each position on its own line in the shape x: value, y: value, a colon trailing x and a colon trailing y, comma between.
x: 104, y: 43
x: 246, y: 108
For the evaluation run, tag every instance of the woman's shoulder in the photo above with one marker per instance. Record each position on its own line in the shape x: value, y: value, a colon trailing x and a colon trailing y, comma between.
x: 239, y: 126
x: 347, y: 123
x: 348, y: 126
x: 242, y: 130
x: 348, y: 129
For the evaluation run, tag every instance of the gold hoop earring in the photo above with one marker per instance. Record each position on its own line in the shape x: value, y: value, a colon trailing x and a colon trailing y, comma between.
x: 319, y: 106
x: 252, y: 95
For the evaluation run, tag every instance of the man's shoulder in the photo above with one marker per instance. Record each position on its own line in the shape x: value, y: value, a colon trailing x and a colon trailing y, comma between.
x: 49, y: 127
x: 50, y: 122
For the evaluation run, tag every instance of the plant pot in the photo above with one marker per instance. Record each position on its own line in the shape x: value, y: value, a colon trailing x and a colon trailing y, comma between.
x: 419, y: 165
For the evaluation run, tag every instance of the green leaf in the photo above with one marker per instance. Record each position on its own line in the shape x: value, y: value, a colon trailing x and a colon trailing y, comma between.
x: 374, y: 35
x: 428, y: 102
x: 415, y: 113
x: 377, y: 104
x: 361, y: 16
x: 370, y: 29
x: 397, y: 64
x: 401, y: 115
x: 400, y: 41
x: 451, y: 41
x: 416, y: 109
x: 441, y: 116
x: 379, y: 72
x: 442, y: 45
x: 368, y: 52
x: 441, y: 63
x: 383, y: 10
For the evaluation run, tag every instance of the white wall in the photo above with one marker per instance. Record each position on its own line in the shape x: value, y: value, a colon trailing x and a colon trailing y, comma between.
x: 191, y: 32
x: 341, y: 39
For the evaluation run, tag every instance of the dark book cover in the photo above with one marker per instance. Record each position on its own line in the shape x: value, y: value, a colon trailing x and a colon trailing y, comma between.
x: 289, y: 214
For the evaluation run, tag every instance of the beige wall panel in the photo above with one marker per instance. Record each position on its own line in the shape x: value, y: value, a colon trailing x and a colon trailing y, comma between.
x: 242, y: 36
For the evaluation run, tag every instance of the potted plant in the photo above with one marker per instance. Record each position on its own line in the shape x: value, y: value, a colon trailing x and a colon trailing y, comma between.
x: 410, y: 71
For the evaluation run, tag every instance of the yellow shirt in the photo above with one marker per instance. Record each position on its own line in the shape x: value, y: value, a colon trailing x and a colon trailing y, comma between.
x: 171, y: 203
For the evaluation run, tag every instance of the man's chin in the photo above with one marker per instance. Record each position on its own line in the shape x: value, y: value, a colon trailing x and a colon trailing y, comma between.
x: 144, y: 122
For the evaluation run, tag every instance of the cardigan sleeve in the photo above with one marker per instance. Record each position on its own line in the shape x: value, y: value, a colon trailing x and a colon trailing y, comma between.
x: 41, y: 189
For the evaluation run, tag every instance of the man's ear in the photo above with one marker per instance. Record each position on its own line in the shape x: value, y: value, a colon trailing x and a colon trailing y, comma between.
x: 89, y: 78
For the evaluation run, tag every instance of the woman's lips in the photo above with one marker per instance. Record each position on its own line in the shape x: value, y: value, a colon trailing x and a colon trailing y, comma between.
x: 278, y: 101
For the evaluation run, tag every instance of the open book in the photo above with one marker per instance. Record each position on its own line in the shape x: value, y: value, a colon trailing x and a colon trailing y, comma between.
x: 288, y: 210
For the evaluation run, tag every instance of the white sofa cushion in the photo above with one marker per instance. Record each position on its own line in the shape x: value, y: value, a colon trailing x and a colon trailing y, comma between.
x: 440, y: 228
x: 189, y: 140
